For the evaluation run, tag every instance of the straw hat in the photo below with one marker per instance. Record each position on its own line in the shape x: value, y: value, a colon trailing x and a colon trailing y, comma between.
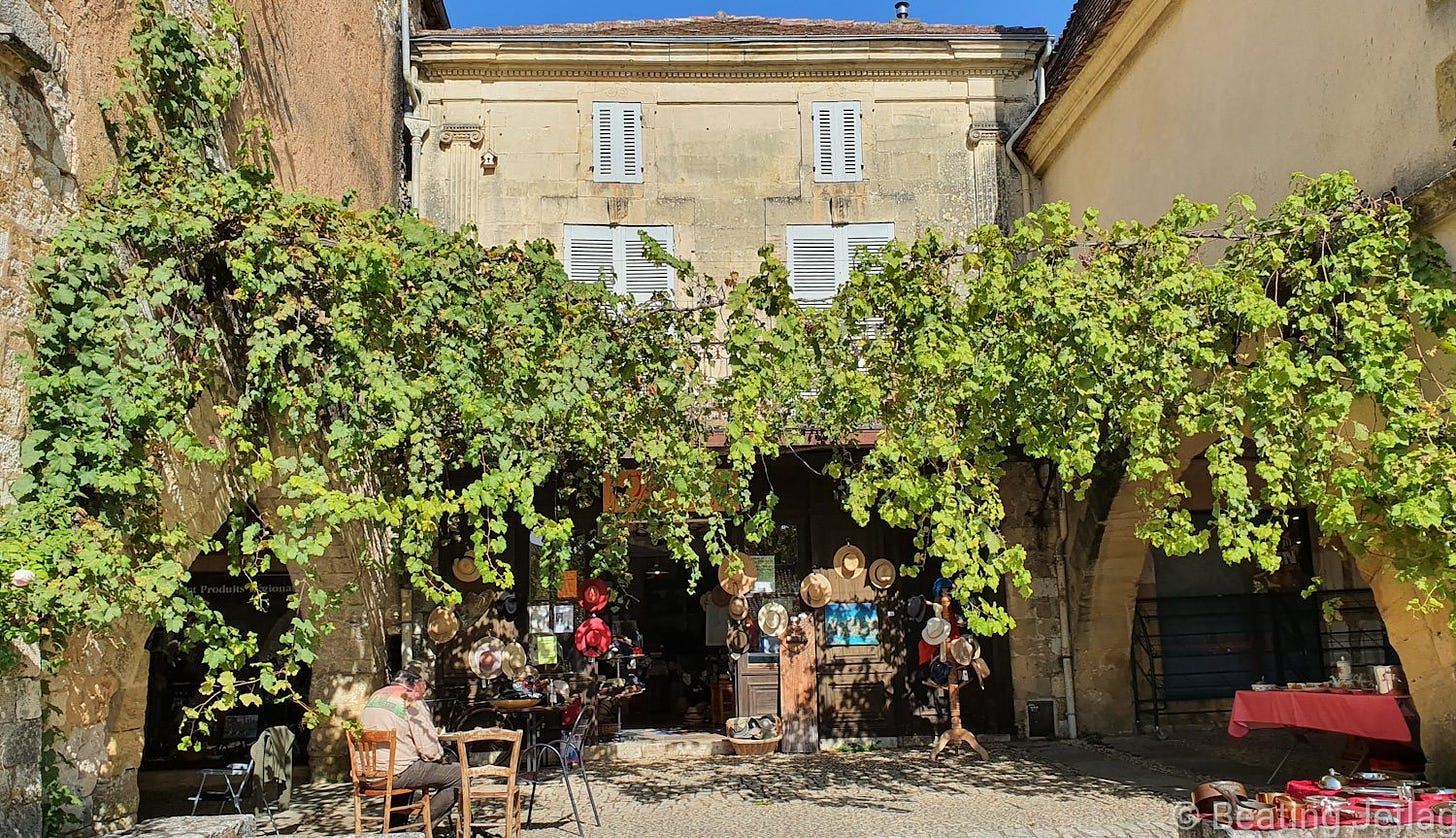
x: 513, y: 660
x: 737, y: 641
x: 738, y: 608
x: 964, y: 650
x: 442, y: 625
x: 882, y: 573
x: 485, y: 657
x: 594, y: 596
x: 740, y: 582
x: 936, y: 631
x: 593, y: 637
x: 816, y: 590
x: 849, y: 560
x: 773, y: 619
x: 465, y: 569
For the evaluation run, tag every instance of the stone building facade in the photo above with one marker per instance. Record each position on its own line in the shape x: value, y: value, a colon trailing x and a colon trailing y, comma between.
x: 1147, y: 99
x: 328, y: 78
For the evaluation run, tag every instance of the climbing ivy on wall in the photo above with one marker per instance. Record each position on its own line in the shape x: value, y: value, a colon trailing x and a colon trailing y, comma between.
x: 336, y: 368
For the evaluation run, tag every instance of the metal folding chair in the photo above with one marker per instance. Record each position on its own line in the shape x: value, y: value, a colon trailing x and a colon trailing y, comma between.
x: 568, y: 754
x: 235, y: 779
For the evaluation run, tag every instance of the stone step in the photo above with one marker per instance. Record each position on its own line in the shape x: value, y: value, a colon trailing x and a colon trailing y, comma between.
x: 193, y: 826
x: 654, y: 745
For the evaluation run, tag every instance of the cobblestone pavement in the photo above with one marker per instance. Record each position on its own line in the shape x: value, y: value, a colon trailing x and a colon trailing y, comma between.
x: 1027, y: 790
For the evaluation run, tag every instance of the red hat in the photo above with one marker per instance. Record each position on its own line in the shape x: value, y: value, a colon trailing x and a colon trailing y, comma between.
x: 593, y: 638
x: 594, y: 596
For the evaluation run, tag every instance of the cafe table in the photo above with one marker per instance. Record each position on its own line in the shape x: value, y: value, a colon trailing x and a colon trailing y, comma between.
x: 1360, y: 716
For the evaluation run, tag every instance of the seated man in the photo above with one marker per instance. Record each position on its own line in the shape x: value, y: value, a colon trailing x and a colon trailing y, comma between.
x: 399, y: 707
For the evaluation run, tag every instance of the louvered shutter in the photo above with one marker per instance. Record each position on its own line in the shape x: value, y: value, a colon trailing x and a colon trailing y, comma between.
x: 871, y: 237
x: 642, y: 278
x: 617, y: 142
x: 813, y: 278
x: 590, y: 251
x: 837, y: 156
x: 603, y: 119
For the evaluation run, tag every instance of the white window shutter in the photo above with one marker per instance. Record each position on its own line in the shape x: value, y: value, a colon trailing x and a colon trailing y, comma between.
x: 630, y: 147
x: 813, y: 279
x: 589, y: 252
x: 641, y: 277
x: 603, y: 119
x: 871, y: 237
x: 851, y: 169
x: 824, y: 129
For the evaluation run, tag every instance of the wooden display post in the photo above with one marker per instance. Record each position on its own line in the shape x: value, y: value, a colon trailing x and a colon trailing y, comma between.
x: 798, y: 690
x: 956, y: 733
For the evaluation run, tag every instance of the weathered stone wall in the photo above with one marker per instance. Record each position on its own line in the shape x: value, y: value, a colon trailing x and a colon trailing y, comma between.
x: 325, y: 76
x: 20, y: 744
x: 727, y: 139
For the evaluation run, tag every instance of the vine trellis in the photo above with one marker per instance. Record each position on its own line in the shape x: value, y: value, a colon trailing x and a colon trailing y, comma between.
x: 375, y: 370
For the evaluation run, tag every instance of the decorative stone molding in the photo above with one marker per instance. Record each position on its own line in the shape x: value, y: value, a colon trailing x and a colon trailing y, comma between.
x: 437, y: 73
x: 986, y: 132
x: 617, y: 210
x: 839, y: 210
x: 452, y: 131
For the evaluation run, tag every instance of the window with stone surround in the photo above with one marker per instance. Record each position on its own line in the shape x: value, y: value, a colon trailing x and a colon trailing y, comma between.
x: 837, y: 157
x: 617, y: 142
x: 602, y: 253
x: 821, y: 256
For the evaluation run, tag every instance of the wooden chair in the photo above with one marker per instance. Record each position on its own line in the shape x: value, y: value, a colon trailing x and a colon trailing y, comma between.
x: 374, y: 780
x: 489, y: 784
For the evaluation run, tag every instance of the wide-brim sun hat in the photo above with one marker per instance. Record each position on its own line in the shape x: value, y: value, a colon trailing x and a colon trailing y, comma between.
x: 738, y: 608
x: 773, y: 619
x: 964, y: 650
x: 936, y: 631
x: 738, y: 582
x: 465, y: 569
x: 513, y: 660
x: 485, y: 657
x: 737, y: 641
x: 883, y: 573
x: 594, y: 596
x: 816, y: 590
x: 593, y: 637
x: 849, y: 561
x: 916, y: 608
x: 442, y: 624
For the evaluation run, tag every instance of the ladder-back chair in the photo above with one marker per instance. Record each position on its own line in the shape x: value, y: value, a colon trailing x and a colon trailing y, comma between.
x: 481, y: 786
x: 371, y: 763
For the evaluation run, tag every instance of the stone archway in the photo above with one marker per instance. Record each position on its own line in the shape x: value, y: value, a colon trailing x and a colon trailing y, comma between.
x: 1106, y: 603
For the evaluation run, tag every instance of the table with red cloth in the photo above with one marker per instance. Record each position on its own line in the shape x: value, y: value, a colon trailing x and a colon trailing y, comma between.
x: 1356, y: 813
x: 1366, y: 715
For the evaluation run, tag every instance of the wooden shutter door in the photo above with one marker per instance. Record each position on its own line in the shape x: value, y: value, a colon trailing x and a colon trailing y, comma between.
x: 643, y: 278
x: 812, y: 275
x: 589, y: 252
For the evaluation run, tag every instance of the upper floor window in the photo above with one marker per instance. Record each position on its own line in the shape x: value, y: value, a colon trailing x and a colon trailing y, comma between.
x: 597, y: 252
x: 821, y: 256
x: 837, y: 156
x: 617, y: 142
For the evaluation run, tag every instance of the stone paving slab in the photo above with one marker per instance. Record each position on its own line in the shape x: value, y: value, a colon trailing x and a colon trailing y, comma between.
x: 194, y: 826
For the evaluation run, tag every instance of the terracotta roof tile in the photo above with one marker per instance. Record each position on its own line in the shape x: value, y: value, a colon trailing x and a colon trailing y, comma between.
x: 729, y: 26
x: 1088, y: 24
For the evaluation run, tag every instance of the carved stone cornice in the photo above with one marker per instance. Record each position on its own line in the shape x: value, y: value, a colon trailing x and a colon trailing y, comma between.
x: 452, y: 131
x: 488, y: 72
x: 984, y: 132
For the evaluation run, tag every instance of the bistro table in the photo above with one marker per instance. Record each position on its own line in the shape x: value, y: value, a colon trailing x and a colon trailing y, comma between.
x: 1361, y: 717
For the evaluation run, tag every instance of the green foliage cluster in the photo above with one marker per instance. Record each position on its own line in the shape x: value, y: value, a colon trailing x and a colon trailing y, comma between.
x: 340, y: 368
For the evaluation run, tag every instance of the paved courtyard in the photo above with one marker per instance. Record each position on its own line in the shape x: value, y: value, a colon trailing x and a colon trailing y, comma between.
x: 1126, y: 787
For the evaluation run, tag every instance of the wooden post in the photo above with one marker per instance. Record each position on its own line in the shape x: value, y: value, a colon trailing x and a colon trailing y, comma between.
x: 798, y: 687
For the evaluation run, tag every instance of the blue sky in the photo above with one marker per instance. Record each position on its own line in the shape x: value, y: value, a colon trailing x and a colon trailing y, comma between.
x: 1051, y: 14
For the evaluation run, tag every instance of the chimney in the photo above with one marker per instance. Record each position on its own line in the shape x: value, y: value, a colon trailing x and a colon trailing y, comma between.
x: 902, y: 10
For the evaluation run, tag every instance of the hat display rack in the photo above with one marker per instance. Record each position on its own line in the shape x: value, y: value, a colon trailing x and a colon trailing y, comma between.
x: 953, y: 656
x: 752, y: 614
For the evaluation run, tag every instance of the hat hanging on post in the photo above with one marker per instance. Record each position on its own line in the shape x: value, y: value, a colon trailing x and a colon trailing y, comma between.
x: 513, y: 660
x: 941, y: 586
x: 773, y: 619
x: 737, y: 641
x: 964, y: 650
x: 485, y: 657
x: 442, y: 624
x: 849, y: 560
x: 738, y: 608
x: 594, y: 596
x: 816, y: 590
x: 883, y: 573
x: 916, y: 608
x: 719, y: 597
x: 465, y: 570
x: 738, y: 582
x: 593, y: 637
x: 939, y: 672
x: 507, y: 605
x: 936, y: 631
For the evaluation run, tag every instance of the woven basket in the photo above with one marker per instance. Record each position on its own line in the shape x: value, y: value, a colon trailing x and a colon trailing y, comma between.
x: 754, y: 747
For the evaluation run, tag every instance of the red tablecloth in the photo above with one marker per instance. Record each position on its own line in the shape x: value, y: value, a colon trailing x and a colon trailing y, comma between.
x: 1370, y: 716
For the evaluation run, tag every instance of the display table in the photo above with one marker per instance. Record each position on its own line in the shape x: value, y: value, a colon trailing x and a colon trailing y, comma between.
x: 1366, y: 715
